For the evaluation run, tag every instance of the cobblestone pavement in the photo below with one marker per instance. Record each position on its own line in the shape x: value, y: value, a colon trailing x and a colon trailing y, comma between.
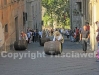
x: 49, y: 65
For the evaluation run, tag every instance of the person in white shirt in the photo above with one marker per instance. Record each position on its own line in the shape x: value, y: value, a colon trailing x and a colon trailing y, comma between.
x: 62, y: 30
x: 40, y: 34
x: 29, y: 36
x: 58, y: 37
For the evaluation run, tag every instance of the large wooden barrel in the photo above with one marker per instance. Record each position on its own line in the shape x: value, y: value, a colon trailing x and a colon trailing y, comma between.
x: 20, y: 45
x: 52, y: 47
x: 43, y: 40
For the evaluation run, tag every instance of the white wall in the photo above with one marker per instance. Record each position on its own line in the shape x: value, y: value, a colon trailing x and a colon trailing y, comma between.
x: 1, y: 35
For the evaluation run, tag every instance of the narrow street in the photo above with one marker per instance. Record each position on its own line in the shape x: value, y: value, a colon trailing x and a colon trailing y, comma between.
x: 50, y: 65
x: 24, y: 20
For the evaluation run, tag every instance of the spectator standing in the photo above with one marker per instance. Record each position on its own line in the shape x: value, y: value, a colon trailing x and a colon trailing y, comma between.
x: 29, y: 36
x: 71, y: 36
x: 33, y: 36
x: 84, y: 36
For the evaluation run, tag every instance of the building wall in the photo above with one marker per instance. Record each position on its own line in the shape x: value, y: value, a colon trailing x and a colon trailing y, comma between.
x: 1, y: 35
x: 8, y: 12
x: 1, y: 27
x: 76, y: 20
x: 90, y: 14
x: 34, y: 14
x: 93, y: 17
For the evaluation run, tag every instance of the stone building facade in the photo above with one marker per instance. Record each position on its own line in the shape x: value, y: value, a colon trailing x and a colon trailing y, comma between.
x: 34, y: 14
x: 93, y: 6
x: 76, y: 13
x: 89, y: 13
x: 11, y: 21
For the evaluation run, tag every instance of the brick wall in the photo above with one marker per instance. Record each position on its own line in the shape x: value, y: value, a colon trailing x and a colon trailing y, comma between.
x: 8, y: 13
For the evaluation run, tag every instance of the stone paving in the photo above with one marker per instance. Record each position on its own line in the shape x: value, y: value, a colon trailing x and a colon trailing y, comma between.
x: 50, y: 65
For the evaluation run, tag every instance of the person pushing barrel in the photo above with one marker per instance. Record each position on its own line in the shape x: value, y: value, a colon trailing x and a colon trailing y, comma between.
x: 58, y: 37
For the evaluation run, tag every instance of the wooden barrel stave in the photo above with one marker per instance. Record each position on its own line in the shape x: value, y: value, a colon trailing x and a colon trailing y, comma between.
x: 54, y: 46
x: 20, y: 45
x: 43, y: 40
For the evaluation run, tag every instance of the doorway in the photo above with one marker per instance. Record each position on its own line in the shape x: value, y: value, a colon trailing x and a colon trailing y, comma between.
x: 16, y: 29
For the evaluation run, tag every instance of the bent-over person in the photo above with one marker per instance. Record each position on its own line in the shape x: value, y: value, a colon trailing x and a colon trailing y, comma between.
x: 58, y: 37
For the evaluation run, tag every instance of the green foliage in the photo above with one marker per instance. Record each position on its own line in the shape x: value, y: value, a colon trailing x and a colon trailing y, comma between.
x: 46, y: 19
x: 56, y: 10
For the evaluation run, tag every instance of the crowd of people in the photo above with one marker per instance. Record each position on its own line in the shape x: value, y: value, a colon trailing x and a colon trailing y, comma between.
x: 74, y: 35
x: 34, y: 35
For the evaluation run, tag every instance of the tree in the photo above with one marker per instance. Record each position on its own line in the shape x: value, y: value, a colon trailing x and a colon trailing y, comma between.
x: 57, y: 10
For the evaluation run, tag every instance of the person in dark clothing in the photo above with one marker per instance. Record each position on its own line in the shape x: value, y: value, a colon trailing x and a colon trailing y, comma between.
x: 84, y: 36
x: 35, y: 39
x: 71, y: 36
x: 33, y: 36
x: 77, y: 34
x: 37, y: 35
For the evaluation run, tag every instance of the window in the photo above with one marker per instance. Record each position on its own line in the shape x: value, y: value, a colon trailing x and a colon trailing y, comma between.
x: 24, y: 17
x: 79, y: 4
x: 6, y: 28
